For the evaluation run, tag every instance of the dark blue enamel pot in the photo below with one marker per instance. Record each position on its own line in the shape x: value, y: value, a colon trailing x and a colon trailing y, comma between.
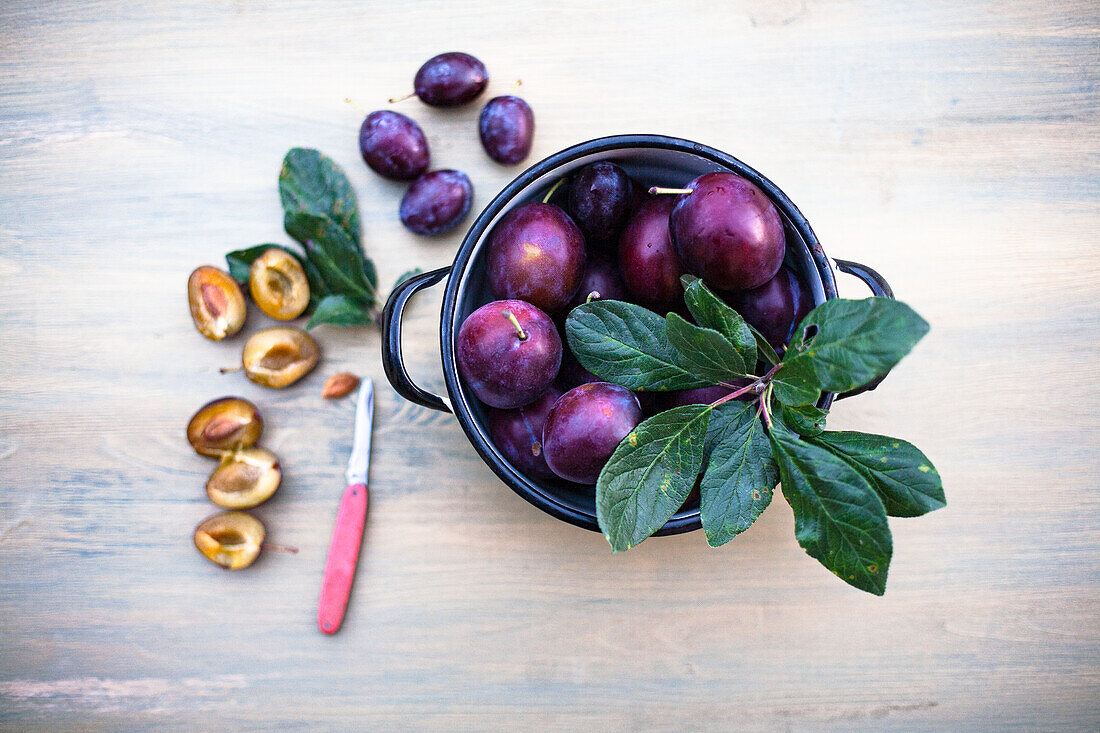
x: 653, y: 159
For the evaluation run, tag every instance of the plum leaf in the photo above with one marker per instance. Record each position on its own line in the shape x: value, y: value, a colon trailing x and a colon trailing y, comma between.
x: 703, y: 351
x: 650, y: 474
x: 806, y: 420
x: 310, y: 182
x: 839, y: 518
x: 711, y: 312
x: 741, y: 473
x: 340, y: 310
x: 626, y: 344
x: 906, y: 481
x: 844, y: 344
x: 336, y: 256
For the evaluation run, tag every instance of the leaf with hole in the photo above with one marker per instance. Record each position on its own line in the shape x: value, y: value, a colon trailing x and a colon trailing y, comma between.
x: 844, y: 344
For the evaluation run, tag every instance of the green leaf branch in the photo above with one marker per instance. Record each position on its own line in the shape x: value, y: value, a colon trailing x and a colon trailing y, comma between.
x: 321, y: 213
x: 769, y: 429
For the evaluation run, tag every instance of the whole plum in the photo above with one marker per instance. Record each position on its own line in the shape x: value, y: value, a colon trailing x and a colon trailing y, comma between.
x: 507, y: 129
x: 601, y: 196
x: 436, y: 202
x: 508, y: 352
x: 648, y: 262
x: 393, y: 145
x: 728, y: 232
x: 518, y: 434
x: 450, y: 79
x: 584, y: 428
x: 537, y: 254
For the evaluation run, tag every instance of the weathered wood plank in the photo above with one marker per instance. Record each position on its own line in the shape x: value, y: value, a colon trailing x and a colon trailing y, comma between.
x: 954, y: 147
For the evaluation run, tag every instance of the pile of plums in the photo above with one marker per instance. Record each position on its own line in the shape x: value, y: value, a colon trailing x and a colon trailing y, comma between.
x: 611, y: 240
x: 394, y: 146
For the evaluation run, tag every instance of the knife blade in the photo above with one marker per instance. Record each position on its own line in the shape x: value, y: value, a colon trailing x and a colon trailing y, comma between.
x: 347, y: 534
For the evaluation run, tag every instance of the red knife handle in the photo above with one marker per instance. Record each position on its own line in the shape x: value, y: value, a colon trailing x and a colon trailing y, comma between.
x: 343, y: 555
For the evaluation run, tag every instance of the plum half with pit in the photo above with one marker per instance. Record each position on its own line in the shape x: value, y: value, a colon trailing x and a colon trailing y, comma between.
x: 650, y: 267
x: 216, y: 301
x: 518, y: 434
x: 728, y: 232
x: 508, y: 352
x: 776, y: 307
x: 584, y: 428
x: 224, y: 425
x: 537, y: 254
x: 506, y: 127
x: 601, y: 196
x: 244, y: 479
x: 393, y: 145
x: 437, y: 202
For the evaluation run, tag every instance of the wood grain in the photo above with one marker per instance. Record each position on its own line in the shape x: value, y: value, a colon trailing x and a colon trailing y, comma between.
x: 952, y: 146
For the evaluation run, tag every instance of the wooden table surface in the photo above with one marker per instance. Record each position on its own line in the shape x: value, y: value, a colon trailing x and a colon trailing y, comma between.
x: 952, y: 146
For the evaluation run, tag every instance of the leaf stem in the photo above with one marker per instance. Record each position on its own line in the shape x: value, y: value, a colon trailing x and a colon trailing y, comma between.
x: 734, y: 395
x: 553, y: 189
x: 765, y: 398
x: 766, y: 379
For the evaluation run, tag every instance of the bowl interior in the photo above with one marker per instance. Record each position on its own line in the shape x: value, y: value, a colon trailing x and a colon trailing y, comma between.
x: 650, y: 166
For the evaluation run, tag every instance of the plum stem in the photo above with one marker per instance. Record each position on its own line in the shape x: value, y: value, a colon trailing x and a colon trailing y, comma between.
x: 515, y: 322
x: 394, y: 100
x: 279, y: 548
x: 519, y: 83
x: 553, y: 189
x: 661, y: 189
x: 350, y: 101
x: 594, y: 295
x: 227, y: 370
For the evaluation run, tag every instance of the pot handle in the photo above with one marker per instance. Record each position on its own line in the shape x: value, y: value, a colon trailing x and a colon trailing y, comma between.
x: 879, y: 287
x: 876, y: 282
x: 392, y: 361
